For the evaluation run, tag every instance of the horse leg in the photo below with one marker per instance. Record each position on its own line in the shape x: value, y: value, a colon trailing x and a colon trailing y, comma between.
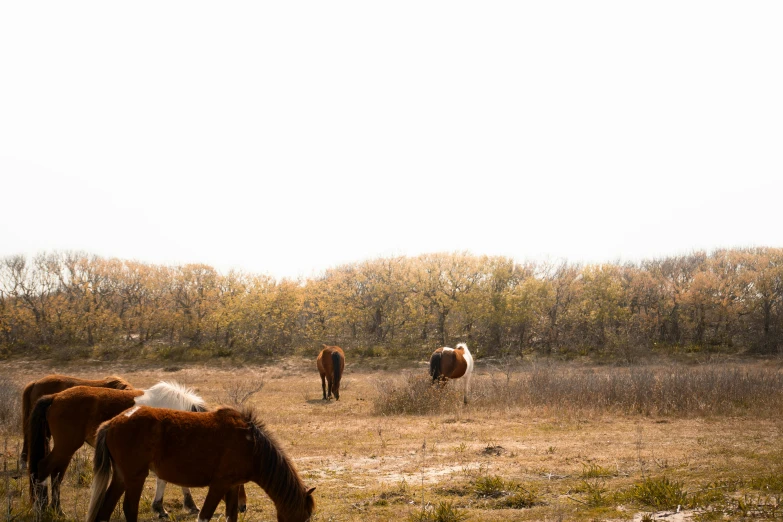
x: 323, y: 385
x: 54, y: 466
x: 133, y: 489
x: 157, y: 503
x: 467, y: 388
x: 187, y: 501
x: 231, y: 498
x: 113, y: 494
x: 56, y: 480
x: 25, y: 450
x: 214, y: 494
x: 329, y: 383
x: 242, y: 499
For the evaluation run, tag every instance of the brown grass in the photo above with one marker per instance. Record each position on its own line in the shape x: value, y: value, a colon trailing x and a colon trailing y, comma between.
x: 537, y: 443
x: 10, y: 405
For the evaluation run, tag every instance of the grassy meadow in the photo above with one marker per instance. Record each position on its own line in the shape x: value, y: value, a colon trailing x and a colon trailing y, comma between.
x: 549, y: 441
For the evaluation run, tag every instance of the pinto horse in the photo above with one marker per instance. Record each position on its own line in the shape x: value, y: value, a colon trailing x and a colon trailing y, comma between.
x: 452, y: 363
x: 72, y: 417
x: 221, y: 449
x: 331, y: 363
x: 54, y: 384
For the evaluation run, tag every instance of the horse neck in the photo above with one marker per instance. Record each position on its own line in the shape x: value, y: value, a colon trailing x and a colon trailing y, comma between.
x: 276, y: 475
x: 114, y: 382
x: 467, y: 355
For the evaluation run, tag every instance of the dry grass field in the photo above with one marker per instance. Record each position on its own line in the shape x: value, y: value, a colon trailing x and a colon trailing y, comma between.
x: 574, y: 451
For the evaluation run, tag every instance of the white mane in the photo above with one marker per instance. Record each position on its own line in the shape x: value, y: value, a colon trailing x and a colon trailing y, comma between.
x: 171, y: 395
x: 468, y: 357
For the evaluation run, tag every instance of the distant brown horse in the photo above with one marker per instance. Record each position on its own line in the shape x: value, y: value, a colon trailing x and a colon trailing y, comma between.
x: 72, y: 417
x: 452, y: 363
x: 53, y: 384
x: 331, y: 363
x: 220, y: 449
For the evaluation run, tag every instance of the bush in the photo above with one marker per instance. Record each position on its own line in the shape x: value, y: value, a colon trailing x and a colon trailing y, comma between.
x: 490, y: 487
x: 415, y: 395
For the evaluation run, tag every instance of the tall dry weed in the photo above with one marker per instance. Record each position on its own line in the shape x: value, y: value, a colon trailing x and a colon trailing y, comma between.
x: 663, y: 390
x: 415, y: 395
x: 237, y: 392
x: 10, y: 406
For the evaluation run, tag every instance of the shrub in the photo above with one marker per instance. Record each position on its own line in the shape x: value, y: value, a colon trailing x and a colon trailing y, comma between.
x: 490, y: 487
x: 416, y: 395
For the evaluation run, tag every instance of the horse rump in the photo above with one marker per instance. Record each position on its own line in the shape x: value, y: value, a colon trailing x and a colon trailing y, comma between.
x: 38, y: 428
x: 435, y: 366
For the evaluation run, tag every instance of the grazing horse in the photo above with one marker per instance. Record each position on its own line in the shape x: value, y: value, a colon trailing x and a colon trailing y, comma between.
x: 72, y: 417
x: 53, y: 384
x: 220, y: 449
x: 331, y: 363
x: 452, y: 363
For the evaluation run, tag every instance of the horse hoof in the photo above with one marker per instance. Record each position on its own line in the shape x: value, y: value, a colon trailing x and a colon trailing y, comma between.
x: 157, y: 508
x: 242, y: 508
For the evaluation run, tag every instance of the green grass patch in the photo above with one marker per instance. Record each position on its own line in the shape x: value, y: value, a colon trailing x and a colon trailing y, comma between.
x: 658, y: 493
x: 595, y: 471
x: 443, y: 512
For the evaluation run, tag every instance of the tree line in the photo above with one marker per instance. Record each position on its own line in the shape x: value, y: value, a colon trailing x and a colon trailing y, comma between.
x: 727, y: 299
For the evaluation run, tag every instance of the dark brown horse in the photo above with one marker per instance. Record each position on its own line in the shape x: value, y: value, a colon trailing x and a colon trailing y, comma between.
x: 452, y: 363
x: 331, y: 363
x: 220, y: 450
x: 54, y: 384
x: 72, y: 417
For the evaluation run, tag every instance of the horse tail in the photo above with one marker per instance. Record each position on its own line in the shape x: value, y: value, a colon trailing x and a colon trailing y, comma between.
x: 38, y: 428
x: 27, y: 395
x: 337, y: 365
x: 435, y: 366
x: 102, y: 464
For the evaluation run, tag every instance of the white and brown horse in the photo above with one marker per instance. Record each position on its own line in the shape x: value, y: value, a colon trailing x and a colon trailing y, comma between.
x: 452, y: 363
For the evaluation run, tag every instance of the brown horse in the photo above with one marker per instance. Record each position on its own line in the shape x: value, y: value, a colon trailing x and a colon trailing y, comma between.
x: 54, y: 384
x: 220, y: 449
x: 331, y: 363
x: 72, y: 417
x: 452, y: 363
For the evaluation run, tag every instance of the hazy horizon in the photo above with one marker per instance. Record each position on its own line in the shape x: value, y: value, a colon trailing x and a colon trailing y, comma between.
x: 288, y: 139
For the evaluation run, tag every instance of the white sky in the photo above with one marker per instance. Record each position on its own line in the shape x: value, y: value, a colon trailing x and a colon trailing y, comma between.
x: 289, y: 137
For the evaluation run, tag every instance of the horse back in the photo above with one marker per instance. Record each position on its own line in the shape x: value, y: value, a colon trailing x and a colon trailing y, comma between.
x: 326, y: 361
x: 80, y: 410
x: 166, y: 440
x: 56, y: 383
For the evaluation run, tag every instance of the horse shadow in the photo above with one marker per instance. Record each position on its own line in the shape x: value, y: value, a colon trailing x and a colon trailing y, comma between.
x: 320, y: 401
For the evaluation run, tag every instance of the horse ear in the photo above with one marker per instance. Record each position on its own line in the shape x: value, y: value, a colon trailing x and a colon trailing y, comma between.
x: 310, y: 491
